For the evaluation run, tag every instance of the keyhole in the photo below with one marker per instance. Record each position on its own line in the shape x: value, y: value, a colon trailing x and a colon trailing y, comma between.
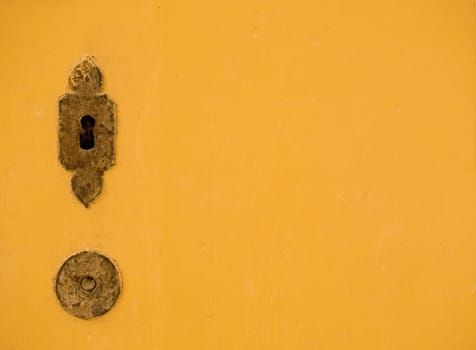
x: 86, y: 138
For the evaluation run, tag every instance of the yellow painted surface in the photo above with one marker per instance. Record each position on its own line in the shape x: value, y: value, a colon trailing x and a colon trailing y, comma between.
x: 290, y: 174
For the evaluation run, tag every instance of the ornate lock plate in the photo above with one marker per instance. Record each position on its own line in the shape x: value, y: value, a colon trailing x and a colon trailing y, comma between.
x: 86, y: 131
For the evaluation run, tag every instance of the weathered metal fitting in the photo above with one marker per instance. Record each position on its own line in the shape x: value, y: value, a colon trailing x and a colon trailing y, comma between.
x: 88, y: 284
x: 86, y: 131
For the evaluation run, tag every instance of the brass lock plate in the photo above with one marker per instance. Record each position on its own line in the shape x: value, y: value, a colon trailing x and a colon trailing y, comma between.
x: 86, y: 131
x: 88, y: 284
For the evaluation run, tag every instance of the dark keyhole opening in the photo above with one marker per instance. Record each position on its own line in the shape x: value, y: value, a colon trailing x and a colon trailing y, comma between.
x: 86, y: 138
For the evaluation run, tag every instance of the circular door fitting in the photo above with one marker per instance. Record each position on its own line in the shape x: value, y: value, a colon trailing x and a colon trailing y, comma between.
x: 88, y: 284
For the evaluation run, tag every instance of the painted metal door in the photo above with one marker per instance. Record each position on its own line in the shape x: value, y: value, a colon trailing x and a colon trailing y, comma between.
x: 289, y: 174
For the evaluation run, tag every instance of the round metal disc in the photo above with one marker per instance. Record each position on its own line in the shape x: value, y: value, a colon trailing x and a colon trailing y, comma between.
x: 88, y: 284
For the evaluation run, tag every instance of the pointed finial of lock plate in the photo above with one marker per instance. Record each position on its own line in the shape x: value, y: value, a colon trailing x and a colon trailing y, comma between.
x: 86, y: 78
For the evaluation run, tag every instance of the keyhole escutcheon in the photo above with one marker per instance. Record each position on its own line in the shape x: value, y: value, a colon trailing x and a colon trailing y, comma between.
x: 86, y: 138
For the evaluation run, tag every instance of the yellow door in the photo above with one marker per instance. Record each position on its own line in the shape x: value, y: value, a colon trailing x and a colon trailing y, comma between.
x: 289, y: 174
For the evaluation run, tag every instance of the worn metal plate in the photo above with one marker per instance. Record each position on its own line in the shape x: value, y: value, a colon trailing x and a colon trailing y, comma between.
x: 86, y: 130
x: 88, y: 284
